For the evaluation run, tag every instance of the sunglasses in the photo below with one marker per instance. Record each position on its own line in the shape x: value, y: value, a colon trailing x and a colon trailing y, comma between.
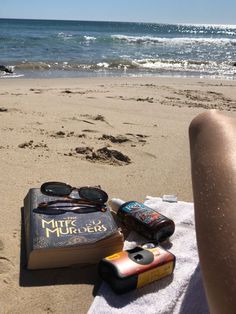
x: 80, y: 200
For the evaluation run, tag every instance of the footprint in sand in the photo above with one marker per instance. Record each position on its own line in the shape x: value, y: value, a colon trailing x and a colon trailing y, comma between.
x: 103, y: 155
x: 36, y: 90
x: 114, y: 139
x: 1, y: 245
x: 30, y: 144
x: 5, y: 265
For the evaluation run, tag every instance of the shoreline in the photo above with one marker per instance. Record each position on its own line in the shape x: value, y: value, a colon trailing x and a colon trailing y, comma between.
x: 55, y: 130
x: 156, y: 78
x: 113, y: 75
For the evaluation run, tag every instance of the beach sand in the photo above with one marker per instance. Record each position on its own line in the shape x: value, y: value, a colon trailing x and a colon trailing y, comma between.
x: 130, y: 135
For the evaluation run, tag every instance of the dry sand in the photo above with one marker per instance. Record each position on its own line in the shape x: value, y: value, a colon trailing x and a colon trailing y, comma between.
x: 130, y: 135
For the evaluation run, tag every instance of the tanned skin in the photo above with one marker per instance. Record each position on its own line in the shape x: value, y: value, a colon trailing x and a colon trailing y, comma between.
x: 213, y: 158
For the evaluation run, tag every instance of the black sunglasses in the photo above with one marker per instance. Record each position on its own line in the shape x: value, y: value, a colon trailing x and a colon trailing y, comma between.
x: 83, y: 199
x: 89, y: 193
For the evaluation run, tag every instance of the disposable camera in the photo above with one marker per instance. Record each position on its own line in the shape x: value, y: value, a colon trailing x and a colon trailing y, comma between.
x: 132, y: 269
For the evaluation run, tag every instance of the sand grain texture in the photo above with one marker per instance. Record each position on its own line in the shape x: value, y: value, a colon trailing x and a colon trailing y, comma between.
x: 130, y: 135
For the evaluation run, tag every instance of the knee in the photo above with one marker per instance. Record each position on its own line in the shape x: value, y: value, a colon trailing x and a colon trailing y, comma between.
x: 204, y: 120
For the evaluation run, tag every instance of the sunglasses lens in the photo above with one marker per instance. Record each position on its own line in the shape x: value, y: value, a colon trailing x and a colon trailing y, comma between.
x: 56, y: 189
x: 93, y: 194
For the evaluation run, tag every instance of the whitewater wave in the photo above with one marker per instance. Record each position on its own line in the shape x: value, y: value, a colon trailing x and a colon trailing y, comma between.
x: 174, y: 41
x: 89, y: 38
x: 75, y: 37
x: 4, y: 75
x: 186, y: 65
x: 119, y: 64
x: 64, y: 36
x: 140, y: 67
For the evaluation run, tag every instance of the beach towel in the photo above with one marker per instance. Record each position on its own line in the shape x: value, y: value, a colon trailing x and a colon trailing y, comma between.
x: 181, y: 293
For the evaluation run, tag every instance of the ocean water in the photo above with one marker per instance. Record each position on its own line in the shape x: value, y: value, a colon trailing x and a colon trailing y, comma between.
x: 51, y: 48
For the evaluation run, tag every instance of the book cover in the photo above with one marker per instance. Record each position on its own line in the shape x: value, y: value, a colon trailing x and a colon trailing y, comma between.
x: 49, y: 234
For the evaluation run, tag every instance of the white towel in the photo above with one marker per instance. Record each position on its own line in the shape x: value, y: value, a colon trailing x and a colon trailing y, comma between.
x: 181, y: 293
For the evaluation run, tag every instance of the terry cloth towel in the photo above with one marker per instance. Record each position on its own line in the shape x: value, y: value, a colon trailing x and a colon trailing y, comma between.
x: 182, y: 293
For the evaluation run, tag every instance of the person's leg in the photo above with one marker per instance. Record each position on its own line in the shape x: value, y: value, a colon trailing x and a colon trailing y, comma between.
x: 213, y: 158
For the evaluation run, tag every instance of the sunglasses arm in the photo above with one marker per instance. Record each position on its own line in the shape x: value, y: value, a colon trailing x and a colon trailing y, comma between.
x: 73, y: 202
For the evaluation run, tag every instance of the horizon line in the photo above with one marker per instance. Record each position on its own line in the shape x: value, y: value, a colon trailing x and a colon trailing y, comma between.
x: 107, y: 21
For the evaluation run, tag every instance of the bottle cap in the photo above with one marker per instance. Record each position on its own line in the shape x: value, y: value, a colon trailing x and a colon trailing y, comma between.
x: 116, y: 203
x: 170, y: 198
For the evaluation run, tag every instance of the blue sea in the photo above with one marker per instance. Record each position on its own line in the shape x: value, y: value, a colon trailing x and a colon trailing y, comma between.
x: 51, y: 48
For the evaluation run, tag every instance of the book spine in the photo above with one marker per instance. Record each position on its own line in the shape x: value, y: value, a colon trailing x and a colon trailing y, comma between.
x: 30, y: 202
x: 26, y: 222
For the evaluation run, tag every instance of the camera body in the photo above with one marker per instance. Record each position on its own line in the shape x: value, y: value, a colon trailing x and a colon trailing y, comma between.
x: 131, y: 269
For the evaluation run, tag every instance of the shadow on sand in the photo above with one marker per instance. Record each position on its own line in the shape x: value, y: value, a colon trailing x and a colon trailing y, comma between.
x: 57, y: 276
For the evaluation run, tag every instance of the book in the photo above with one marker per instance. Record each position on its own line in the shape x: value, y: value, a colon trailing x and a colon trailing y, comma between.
x: 61, y: 240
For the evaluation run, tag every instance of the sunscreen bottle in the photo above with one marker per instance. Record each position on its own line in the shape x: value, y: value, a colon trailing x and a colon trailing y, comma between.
x: 144, y: 220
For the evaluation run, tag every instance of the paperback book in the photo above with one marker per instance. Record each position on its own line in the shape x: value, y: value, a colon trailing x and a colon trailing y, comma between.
x: 69, y: 238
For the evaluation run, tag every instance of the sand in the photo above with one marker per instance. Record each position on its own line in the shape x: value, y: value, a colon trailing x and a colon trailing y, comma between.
x: 130, y: 135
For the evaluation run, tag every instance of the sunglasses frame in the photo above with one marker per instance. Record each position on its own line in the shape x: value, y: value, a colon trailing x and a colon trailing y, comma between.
x: 79, y: 190
x: 75, y: 207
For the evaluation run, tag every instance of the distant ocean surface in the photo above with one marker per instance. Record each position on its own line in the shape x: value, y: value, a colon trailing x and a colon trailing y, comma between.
x: 50, y: 48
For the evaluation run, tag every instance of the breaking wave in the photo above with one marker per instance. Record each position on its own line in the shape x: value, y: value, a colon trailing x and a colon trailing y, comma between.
x: 74, y: 48
x: 136, y: 64
x: 174, y: 41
